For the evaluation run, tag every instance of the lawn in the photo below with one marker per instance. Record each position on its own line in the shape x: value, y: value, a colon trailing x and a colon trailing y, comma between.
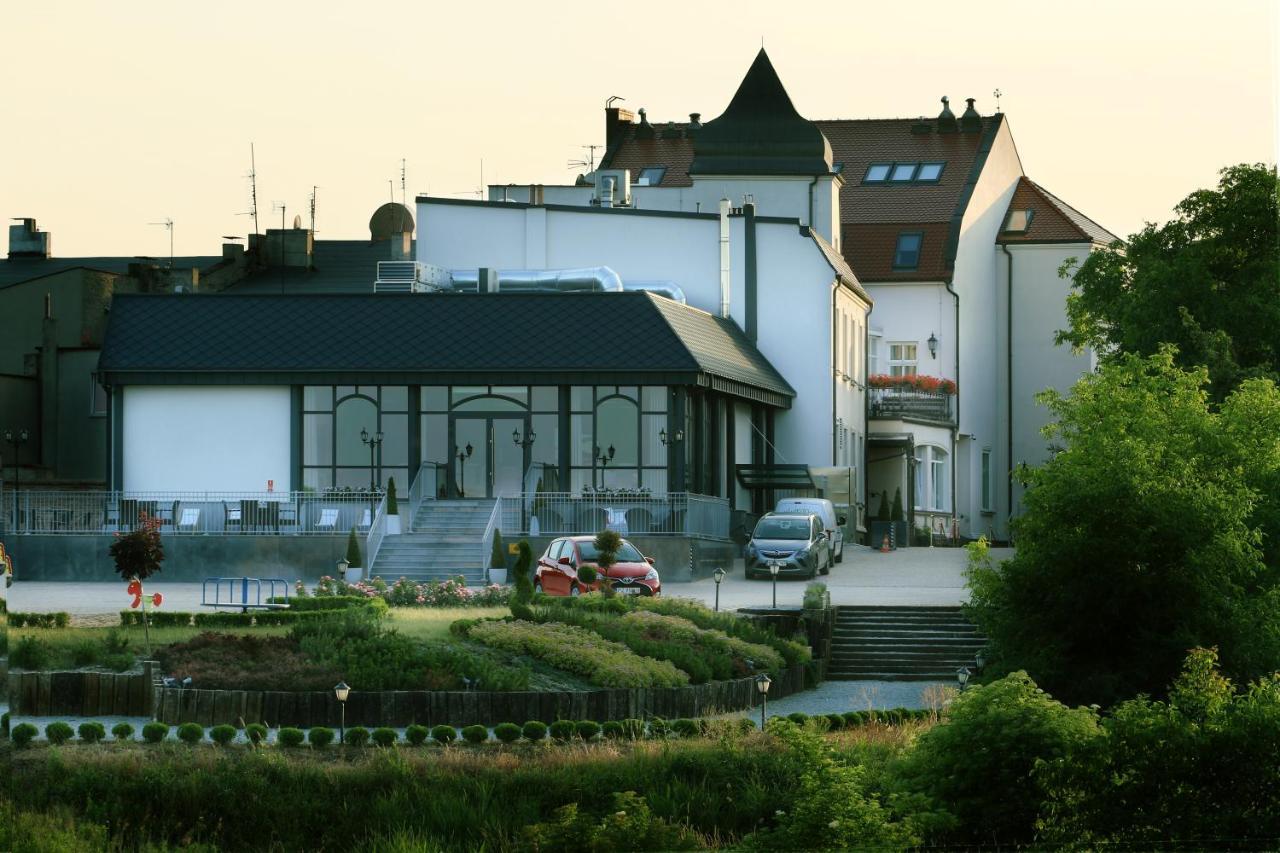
x: 432, y: 623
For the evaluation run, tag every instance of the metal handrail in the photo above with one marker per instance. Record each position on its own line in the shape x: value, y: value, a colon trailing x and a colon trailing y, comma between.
x: 377, y: 532
x: 418, y: 491
x: 671, y: 514
x: 486, y: 545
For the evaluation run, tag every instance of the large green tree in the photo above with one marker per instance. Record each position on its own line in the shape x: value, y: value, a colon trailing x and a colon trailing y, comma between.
x: 1208, y: 281
x: 1153, y: 531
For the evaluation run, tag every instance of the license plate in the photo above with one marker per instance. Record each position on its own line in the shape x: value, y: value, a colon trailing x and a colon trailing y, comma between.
x: 628, y: 590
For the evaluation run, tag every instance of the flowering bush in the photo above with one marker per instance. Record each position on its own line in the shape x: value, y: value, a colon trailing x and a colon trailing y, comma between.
x: 406, y: 593
x: 914, y: 382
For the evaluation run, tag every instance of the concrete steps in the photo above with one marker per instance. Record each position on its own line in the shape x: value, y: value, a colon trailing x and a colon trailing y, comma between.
x: 901, y: 644
x: 445, y: 539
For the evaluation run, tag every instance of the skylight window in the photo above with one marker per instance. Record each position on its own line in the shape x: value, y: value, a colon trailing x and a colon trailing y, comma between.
x: 904, y: 172
x: 929, y: 172
x: 877, y: 173
x: 1018, y: 221
x: 651, y: 176
x: 907, y: 254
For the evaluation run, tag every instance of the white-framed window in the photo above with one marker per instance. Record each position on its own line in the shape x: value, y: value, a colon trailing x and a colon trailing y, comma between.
x: 986, y: 479
x: 873, y: 353
x: 932, y: 479
x: 97, y: 398
x: 902, y: 359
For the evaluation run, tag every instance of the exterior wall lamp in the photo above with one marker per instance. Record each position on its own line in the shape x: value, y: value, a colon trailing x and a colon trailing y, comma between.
x: 528, y: 440
x: 667, y: 440
x: 933, y: 345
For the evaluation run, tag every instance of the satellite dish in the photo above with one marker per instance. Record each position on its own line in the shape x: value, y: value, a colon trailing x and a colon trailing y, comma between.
x: 297, y: 220
x: 390, y: 220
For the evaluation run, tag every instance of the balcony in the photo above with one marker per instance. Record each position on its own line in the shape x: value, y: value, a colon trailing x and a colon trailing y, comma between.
x: 921, y: 398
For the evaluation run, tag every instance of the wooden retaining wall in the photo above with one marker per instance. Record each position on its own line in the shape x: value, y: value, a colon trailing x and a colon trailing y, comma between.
x: 429, y: 708
x: 83, y: 694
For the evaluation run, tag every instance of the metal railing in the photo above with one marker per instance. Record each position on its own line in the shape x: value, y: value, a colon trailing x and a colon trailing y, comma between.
x: 377, y: 531
x: 486, y: 545
x: 185, y: 513
x: 895, y: 403
x: 630, y: 513
x: 425, y: 487
x: 396, y: 276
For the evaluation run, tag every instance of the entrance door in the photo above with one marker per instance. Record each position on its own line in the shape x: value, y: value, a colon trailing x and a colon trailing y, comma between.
x: 497, y: 462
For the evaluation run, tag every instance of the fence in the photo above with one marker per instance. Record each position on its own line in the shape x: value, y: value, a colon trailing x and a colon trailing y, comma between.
x: 894, y: 403
x: 187, y: 513
x: 556, y: 513
x: 83, y: 694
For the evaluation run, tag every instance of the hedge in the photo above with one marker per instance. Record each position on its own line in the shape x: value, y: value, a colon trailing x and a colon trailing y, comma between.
x: 92, y: 732
x: 39, y: 620
x: 155, y: 732
x: 319, y: 736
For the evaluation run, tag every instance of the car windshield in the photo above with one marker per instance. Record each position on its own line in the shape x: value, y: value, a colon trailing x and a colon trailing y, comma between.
x: 782, y: 528
x: 626, y: 554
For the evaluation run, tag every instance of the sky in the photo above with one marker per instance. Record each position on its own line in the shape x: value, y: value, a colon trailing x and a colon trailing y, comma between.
x: 125, y: 114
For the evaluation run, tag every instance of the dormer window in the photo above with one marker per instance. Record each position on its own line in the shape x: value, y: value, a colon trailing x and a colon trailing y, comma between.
x: 907, y: 254
x: 1018, y: 221
x: 877, y: 173
x: 651, y: 176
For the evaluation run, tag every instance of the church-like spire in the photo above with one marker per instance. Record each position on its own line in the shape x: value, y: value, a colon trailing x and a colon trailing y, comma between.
x: 760, y: 132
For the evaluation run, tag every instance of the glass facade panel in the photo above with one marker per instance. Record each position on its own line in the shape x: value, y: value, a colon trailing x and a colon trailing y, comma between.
x: 435, y: 398
x: 317, y: 398
x: 546, y: 398
x: 395, y: 440
x: 317, y: 439
x: 653, y: 398
x: 617, y: 427
x: 582, y: 443
x: 652, y: 450
x: 519, y: 393
x: 621, y: 478
x: 654, y: 479
x: 435, y: 438
x: 458, y: 393
x: 581, y: 398
x: 489, y: 404
x: 546, y: 445
x: 351, y: 478
x: 355, y: 414
x: 318, y: 479
x: 631, y: 392
x: 402, y: 478
x: 395, y: 398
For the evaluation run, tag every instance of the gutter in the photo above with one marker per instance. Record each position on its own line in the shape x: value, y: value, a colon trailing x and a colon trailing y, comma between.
x: 956, y: 427
x: 1009, y: 383
x: 835, y: 288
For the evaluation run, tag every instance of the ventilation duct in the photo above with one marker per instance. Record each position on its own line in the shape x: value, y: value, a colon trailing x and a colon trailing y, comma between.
x: 669, y: 289
x: 589, y: 279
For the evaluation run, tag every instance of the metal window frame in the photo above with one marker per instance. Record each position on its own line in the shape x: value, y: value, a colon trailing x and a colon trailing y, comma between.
x: 897, y: 250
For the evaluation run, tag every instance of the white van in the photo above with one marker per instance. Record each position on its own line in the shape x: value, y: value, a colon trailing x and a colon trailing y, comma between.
x: 825, y: 510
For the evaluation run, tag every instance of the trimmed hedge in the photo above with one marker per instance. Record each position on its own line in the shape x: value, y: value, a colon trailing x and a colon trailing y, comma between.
x: 191, y: 733
x: 444, y: 734
x: 586, y: 729
x: 222, y: 735
x: 357, y: 736
x: 507, y: 732
x: 39, y: 620
x: 384, y: 736
x: 58, y: 732
x: 155, y: 732
x: 417, y: 735
x: 534, y: 730
x: 122, y: 731
x: 320, y: 736
x: 475, y: 734
x: 290, y: 736
x: 562, y: 730
x: 23, y: 733
x: 256, y: 733
x: 91, y: 732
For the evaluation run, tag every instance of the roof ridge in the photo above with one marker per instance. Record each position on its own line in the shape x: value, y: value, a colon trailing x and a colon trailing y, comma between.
x: 1058, y: 202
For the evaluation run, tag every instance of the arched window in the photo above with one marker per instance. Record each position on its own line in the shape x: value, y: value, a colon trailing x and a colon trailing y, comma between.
x: 333, y: 454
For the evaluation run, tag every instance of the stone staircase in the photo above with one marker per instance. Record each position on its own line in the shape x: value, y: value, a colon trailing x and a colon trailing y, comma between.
x: 901, y: 644
x: 444, y: 540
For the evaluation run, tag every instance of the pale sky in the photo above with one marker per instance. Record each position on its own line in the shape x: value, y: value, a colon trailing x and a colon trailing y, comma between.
x: 116, y: 115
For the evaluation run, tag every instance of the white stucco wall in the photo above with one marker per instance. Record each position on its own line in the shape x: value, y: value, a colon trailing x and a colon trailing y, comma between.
x: 206, y: 438
x: 910, y: 312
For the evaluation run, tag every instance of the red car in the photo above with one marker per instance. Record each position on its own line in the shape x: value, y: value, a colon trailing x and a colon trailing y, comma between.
x: 557, y: 572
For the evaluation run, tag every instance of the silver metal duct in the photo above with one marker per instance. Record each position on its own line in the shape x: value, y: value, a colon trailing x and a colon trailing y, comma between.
x: 597, y: 279
x: 669, y: 289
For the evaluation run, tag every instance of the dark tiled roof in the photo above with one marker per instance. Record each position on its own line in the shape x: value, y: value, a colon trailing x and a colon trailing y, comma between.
x: 16, y: 270
x: 839, y: 265
x: 1053, y: 220
x: 629, y: 338
x: 870, y: 250
x: 340, y: 266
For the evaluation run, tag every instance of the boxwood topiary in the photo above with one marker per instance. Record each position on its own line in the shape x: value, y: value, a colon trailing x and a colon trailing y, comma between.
x: 586, y: 729
x: 632, y: 728
x: 58, y: 732
x: 384, y: 736
x: 835, y: 722
x: 507, y: 732
x: 4, y: 724
x: 319, y: 736
x: 91, y: 732
x: 191, y: 733
x: 23, y: 733
x: 256, y: 733
x: 612, y: 729
x: 475, y: 734
x: 659, y: 728
x: 562, y: 730
x: 799, y: 718
x: 122, y: 731
x: 534, y: 730
x: 416, y: 734
x: 443, y: 734
x: 155, y: 732
x: 222, y: 735
x: 357, y: 736
x: 290, y: 736
x: 685, y: 727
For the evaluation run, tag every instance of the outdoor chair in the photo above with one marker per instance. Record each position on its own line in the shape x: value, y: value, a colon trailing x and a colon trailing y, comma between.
x: 189, y: 520
x: 328, y: 519
x: 639, y: 520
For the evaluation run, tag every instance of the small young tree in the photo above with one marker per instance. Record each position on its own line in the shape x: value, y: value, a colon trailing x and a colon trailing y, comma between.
x: 138, y: 555
x: 393, y: 508
x: 883, y: 514
x: 607, y: 543
x: 524, y: 585
x: 353, y: 550
x: 498, y: 556
x: 898, y: 514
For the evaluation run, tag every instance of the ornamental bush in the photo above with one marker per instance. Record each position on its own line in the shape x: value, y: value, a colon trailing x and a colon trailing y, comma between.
x: 191, y: 733
x: 507, y: 732
x: 154, y: 732
x: 659, y: 728
x: 632, y: 728
x: 122, y: 732
x: 444, y: 734
x: 385, y: 737
x: 91, y: 732
x: 799, y: 718
x: 320, y: 736
x: 23, y: 733
x: 612, y: 730
x: 222, y: 735
x: 353, y: 550
x: 562, y: 730
x: 357, y: 736
x: 290, y: 737
x: 685, y: 727
x: 58, y: 732
x: 475, y: 734
x: 586, y: 729
x: 534, y: 730
x: 416, y: 735
x: 256, y: 733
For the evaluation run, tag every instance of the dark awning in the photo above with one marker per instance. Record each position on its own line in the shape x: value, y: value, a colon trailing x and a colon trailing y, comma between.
x: 777, y: 476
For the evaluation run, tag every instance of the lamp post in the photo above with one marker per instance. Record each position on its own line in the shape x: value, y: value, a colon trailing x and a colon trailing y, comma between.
x: 718, y: 576
x: 15, y: 439
x: 774, y: 568
x: 374, y: 442
x: 463, y: 455
x: 341, y: 691
x: 604, y: 459
x: 962, y: 677
x: 762, y: 687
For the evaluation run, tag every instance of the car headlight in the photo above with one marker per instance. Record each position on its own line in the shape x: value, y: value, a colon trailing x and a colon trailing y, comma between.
x: 802, y: 553
x: 651, y: 575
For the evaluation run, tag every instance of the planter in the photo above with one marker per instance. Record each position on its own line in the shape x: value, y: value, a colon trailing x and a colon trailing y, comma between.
x: 498, y: 575
x: 898, y: 538
x: 393, y: 525
x: 353, y: 574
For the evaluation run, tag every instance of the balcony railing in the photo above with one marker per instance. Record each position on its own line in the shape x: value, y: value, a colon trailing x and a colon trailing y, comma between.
x: 899, y: 403
x: 629, y: 513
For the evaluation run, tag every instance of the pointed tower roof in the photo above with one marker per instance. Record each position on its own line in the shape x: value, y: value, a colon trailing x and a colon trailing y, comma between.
x: 760, y: 133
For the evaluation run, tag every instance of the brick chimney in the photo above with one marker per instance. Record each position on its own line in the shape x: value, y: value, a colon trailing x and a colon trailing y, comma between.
x: 28, y: 241
x: 616, y: 121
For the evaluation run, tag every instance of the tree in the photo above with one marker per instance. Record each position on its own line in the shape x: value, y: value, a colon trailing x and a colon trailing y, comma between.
x: 607, y: 543
x: 353, y: 550
x: 498, y: 553
x: 898, y: 514
x: 884, y: 514
x: 1207, y: 282
x: 138, y: 555
x: 1142, y: 537
x: 524, y: 584
x: 393, y: 507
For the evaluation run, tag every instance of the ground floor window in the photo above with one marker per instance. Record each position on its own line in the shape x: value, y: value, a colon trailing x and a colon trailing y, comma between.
x: 341, y: 426
x: 986, y: 479
x: 932, y: 479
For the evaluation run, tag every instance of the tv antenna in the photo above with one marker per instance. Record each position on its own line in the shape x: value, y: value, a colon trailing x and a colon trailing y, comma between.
x: 313, y: 208
x: 588, y: 163
x: 279, y: 205
x: 168, y: 226
x: 402, y: 182
x: 478, y: 193
x: 253, y: 189
x: 997, y: 94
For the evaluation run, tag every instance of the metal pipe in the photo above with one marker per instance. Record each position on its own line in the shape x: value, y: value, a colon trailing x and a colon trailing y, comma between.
x: 669, y: 289
x: 724, y: 257
x: 600, y: 279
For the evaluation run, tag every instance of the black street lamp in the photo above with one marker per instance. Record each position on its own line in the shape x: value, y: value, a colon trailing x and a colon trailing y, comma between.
x: 762, y: 687
x: 463, y: 455
x: 604, y: 459
x: 718, y: 576
x: 962, y: 676
x: 341, y: 691
x: 774, y: 568
x: 525, y: 442
x: 373, y: 442
x: 15, y: 439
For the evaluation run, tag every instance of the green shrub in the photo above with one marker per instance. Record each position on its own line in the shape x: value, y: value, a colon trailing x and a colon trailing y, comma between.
x: 659, y: 728
x: 191, y: 733
x: 353, y: 550
x: 586, y: 729
x: 799, y: 718
x: 498, y: 553
x: 523, y: 580
x: 853, y: 719
x: 39, y: 620
x: 632, y: 729
x: 628, y: 825
x: 443, y: 734
x: 562, y: 730
x: 85, y: 652
x: 320, y: 736
x: 475, y: 734
x: 393, y: 506
x: 416, y: 734
x: 256, y: 733
x: 507, y: 732
x: 384, y: 736
x: 4, y: 720
x: 91, y: 732
x: 291, y: 737
x: 23, y: 733
x: 588, y: 575
x: 357, y: 736
x: 222, y: 735
x: 611, y: 730
x: 685, y: 727
x: 835, y: 722
x: 58, y: 732
x: 534, y: 730
x: 223, y: 620
x: 154, y: 732
x: 30, y: 653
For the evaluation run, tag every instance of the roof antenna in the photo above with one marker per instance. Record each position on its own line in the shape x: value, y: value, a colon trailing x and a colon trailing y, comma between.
x: 279, y: 205
x: 997, y: 93
x: 313, y: 208
x: 168, y: 225
x: 589, y: 163
x: 253, y: 190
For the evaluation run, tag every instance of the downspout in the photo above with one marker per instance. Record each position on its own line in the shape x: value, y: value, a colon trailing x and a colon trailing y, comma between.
x: 749, y: 267
x: 812, y: 184
x: 866, y: 417
x: 956, y: 428
x: 1009, y: 382
x: 835, y: 288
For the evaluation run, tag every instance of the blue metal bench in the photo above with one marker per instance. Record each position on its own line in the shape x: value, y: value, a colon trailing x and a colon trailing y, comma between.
x: 250, y: 590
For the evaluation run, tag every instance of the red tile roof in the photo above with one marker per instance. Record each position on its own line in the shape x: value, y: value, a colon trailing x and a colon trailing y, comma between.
x: 870, y: 249
x: 1052, y: 220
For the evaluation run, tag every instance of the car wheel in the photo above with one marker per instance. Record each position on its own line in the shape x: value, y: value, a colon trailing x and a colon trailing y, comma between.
x: 537, y: 586
x: 574, y: 592
x: 840, y: 555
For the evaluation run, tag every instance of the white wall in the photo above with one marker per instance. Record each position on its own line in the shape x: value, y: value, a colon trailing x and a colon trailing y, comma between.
x: 206, y: 438
x: 910, y: 312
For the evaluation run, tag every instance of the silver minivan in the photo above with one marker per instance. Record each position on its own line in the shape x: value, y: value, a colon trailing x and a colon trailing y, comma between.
x: 825, y: 510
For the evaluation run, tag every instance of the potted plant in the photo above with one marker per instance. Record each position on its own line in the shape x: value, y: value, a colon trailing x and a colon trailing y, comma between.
x: 497, y: 560
x: 882, y: 523
x: 393, y: 509
x: 354, y: 568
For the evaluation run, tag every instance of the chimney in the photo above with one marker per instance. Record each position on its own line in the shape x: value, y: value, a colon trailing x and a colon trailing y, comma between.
x: 946, y: 118
x: 970, y: 122
x: 695, y: 121
x: 28, y: 241
x: 645, y: 130
x: 288, y: 247
x: 616, y: 122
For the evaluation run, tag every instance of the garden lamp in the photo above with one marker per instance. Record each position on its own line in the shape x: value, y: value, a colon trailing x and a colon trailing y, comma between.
x: 980, y: 659
x: 933, y: 345
x: 774, y: 568
x: 340, y: 692
x: 962, y: 676
x: 718, y: 576
x: 762, y: 687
